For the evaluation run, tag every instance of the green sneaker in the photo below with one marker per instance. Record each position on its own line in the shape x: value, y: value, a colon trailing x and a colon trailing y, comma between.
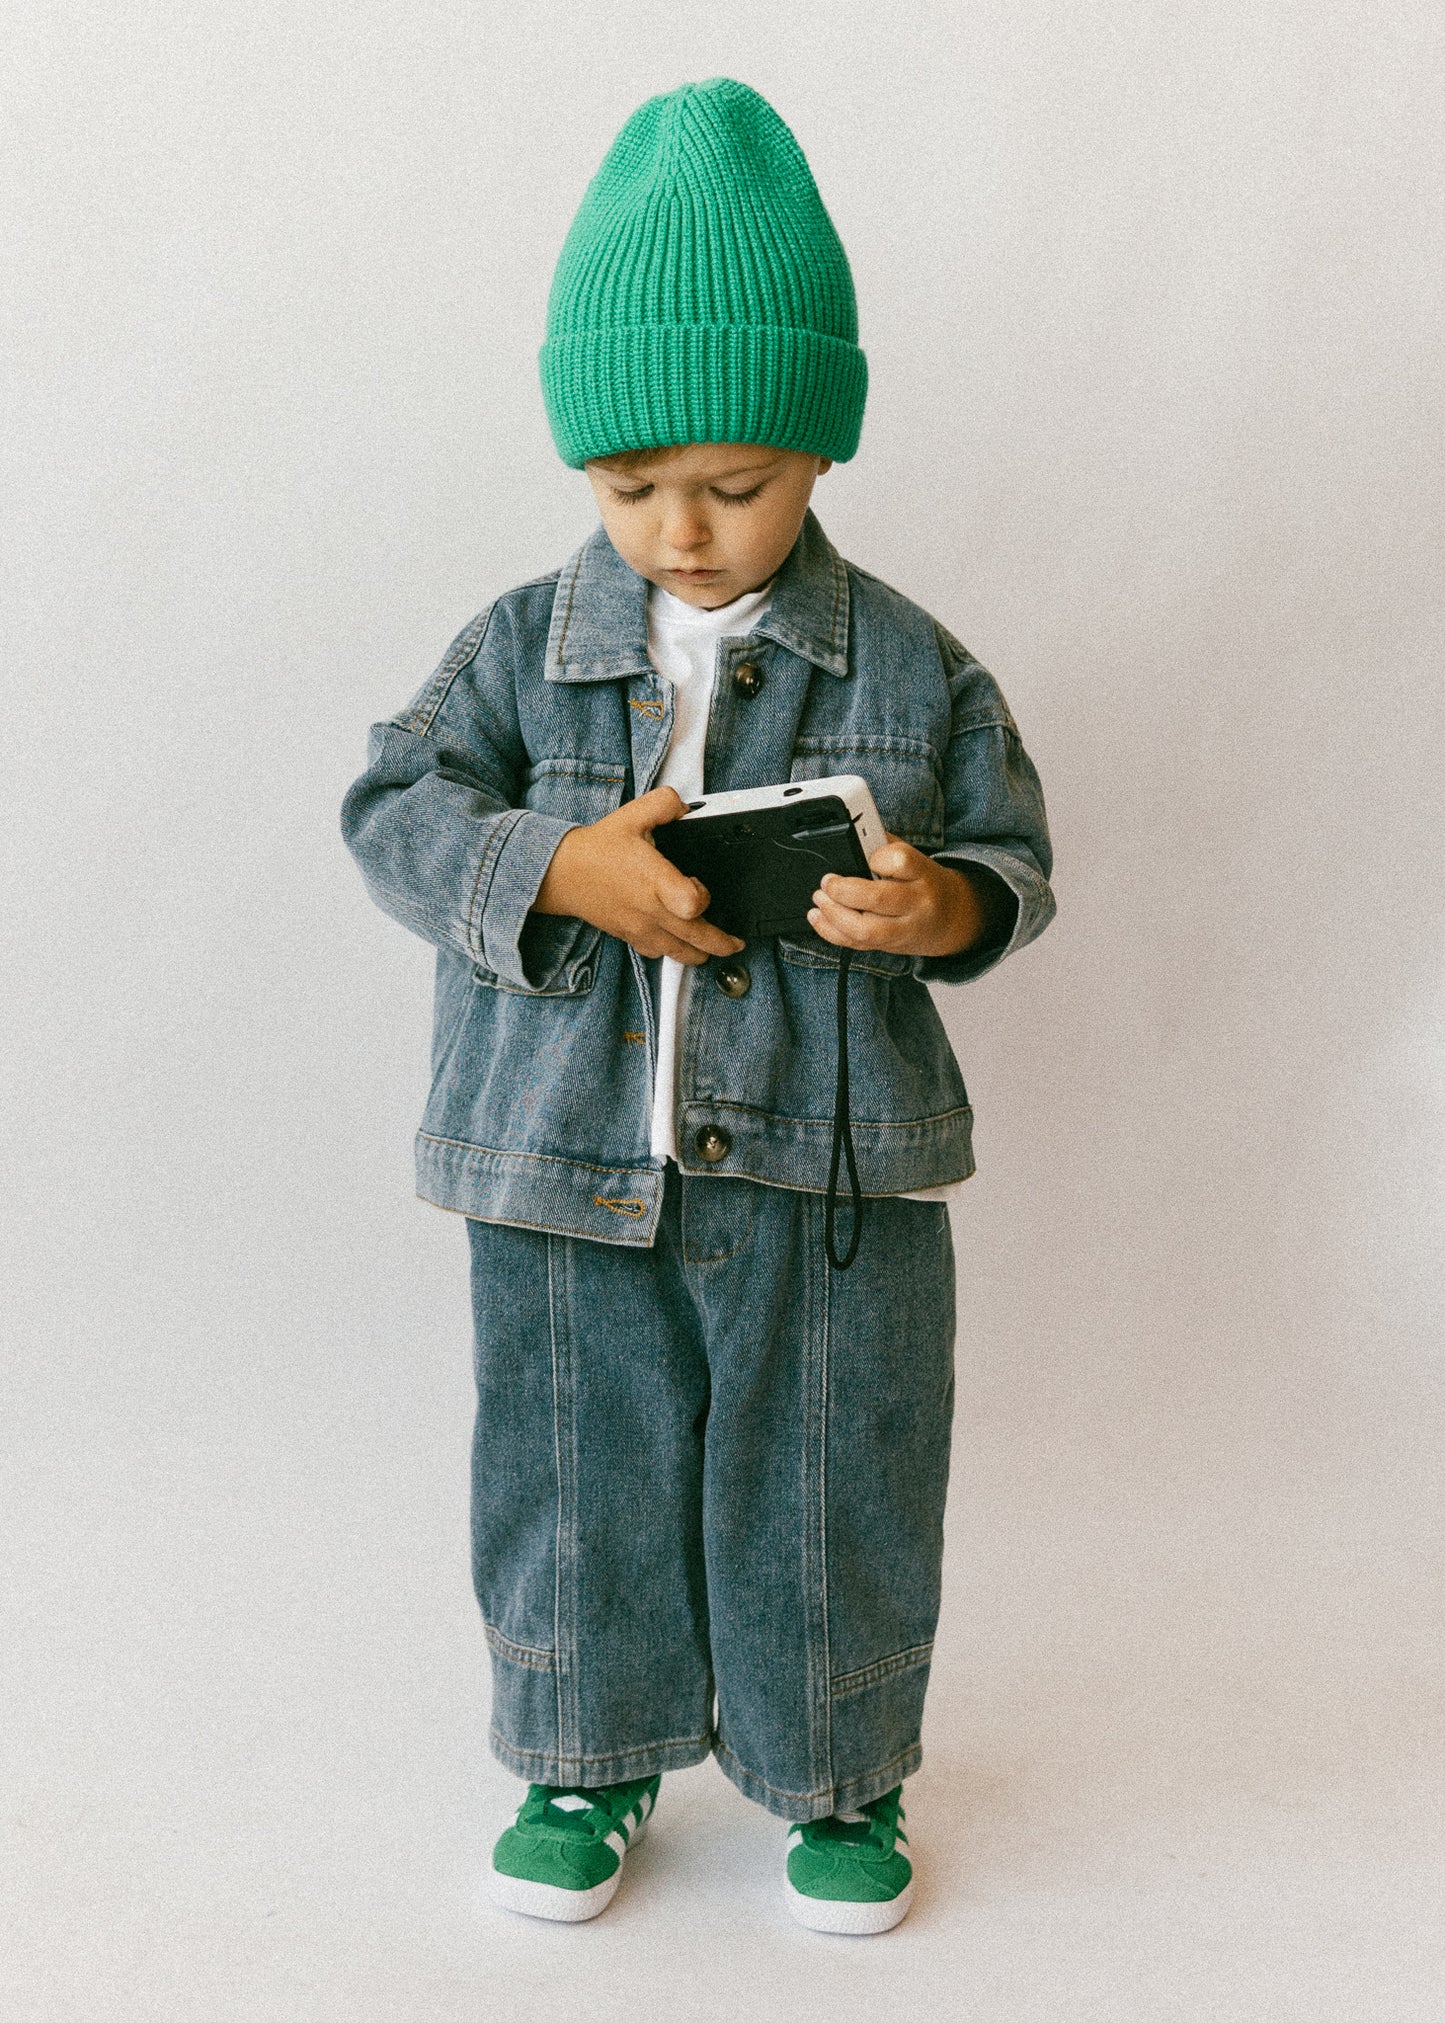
x: 846, y: 1873
x: 562, y: 1858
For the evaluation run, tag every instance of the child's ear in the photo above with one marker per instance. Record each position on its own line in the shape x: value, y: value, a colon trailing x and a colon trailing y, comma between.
x: 824, y: 464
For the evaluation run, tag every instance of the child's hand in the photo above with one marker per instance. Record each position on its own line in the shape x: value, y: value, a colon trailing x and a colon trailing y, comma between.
x: 910, y: 906
x: 610, y: 874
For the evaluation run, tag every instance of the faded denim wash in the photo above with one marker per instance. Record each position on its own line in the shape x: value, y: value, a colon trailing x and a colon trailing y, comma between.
x: 714, y: 1467
x: 546, y: 712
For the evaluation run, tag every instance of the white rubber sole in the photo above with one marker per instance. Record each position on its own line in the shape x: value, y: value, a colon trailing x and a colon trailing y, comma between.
x: 831, y: 1914
x: 546, y: 1900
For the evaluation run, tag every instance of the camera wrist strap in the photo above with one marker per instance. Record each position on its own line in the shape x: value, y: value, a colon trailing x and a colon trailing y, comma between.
x: 842, y: 1137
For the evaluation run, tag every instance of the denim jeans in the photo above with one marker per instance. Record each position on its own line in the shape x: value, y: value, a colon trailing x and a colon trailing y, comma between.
x: 708, y: 1483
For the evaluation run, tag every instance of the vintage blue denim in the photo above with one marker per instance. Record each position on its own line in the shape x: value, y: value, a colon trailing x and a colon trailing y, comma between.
x: 714, y: 1467
x: 546, y: 712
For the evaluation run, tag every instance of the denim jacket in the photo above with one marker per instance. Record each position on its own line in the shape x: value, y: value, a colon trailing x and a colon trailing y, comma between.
x: 546, y: 712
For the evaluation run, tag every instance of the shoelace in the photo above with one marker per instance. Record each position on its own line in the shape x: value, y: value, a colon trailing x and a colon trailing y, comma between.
x: 877, y: 1822
x: 583, y: 1816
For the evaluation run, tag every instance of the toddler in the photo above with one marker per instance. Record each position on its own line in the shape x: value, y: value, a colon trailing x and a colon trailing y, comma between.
x: 708, y: 1467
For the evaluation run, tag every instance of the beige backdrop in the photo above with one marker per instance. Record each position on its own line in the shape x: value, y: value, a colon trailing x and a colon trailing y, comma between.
x: 1151, y: 300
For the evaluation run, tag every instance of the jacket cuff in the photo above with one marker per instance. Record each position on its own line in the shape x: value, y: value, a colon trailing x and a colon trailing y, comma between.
x: 1036, y: 908
x: 508, y: 881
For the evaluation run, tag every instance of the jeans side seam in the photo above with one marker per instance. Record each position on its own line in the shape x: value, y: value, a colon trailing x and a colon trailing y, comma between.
x: 564, y: 1446
x: 815, y: 1531
x: 826, y: 1667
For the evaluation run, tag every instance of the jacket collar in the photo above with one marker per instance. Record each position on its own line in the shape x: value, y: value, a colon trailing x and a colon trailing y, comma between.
x: 599, y: 619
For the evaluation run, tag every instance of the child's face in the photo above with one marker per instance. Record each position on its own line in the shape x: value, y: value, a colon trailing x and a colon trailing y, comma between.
x: 709, y: 520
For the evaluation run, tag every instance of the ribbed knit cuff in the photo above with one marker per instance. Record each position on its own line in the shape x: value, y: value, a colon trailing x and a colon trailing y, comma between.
x: 636, y: 386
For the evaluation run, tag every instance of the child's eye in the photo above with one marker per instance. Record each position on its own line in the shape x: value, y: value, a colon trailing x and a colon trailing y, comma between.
x: 728, y: 498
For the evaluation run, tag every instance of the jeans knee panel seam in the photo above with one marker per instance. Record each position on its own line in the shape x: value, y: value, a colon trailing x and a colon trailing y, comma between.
x: 883, y: 1668
x: 519, y: 1654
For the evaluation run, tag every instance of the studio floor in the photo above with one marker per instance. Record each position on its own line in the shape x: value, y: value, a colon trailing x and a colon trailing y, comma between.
x: 1182, y: 1755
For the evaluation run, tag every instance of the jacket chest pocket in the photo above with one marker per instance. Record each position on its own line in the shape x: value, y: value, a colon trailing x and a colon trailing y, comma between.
x: 574, y: 790
x: 902, y: 775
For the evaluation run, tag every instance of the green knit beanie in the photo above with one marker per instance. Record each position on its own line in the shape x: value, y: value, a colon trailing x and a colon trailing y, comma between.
x: 702, y: 293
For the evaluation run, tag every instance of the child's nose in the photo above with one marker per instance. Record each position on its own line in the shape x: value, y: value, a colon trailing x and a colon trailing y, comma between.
x: 685, y: 529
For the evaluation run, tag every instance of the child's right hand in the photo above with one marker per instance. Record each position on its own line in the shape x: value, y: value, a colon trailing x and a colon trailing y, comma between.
x: 610, y: 874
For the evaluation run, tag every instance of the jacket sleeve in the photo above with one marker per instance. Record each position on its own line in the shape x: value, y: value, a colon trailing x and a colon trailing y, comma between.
x: 994, y: 820
x: 436, y: 824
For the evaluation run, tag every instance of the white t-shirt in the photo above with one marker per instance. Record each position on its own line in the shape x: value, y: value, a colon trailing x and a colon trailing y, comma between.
x: 682, y: 644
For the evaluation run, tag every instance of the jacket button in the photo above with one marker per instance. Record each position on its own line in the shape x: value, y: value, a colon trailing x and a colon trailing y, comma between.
x: 748, y: 678
x: 712, y: 1144
x: 734, y: 980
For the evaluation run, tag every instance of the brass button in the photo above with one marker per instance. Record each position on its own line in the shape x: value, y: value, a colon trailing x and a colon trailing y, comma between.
x: 734, y: 980
x: 748, y: 678
x: 712, y: 1144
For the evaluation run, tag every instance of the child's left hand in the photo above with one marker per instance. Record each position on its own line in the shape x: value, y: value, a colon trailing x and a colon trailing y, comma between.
x: 910, y: 906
